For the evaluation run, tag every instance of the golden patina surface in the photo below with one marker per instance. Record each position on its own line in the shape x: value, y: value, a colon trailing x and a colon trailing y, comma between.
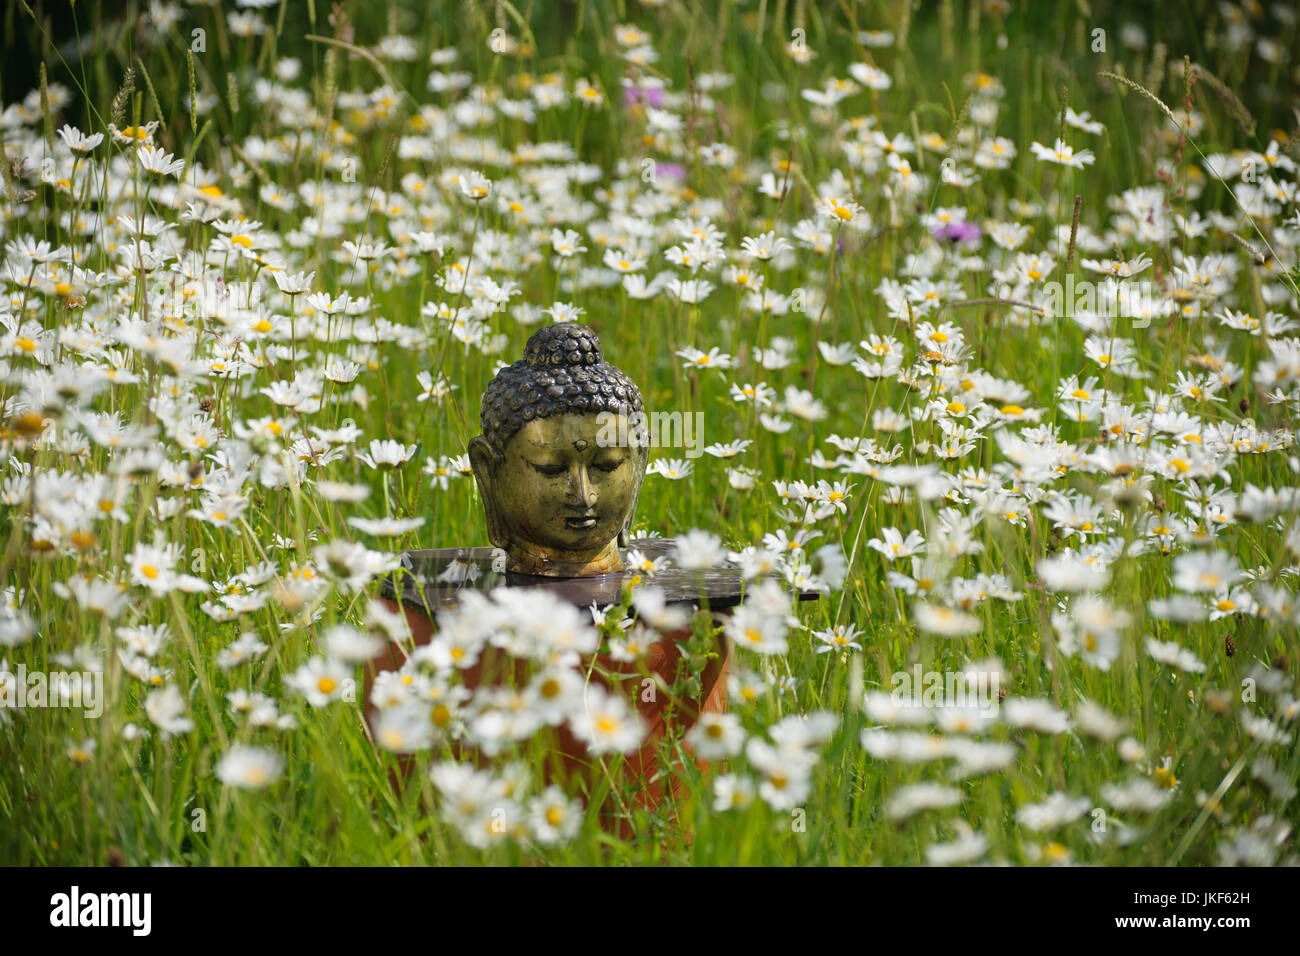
x: 561, y: 460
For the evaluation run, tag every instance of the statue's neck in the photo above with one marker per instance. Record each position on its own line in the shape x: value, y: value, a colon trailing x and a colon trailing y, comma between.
x: 522, y: 559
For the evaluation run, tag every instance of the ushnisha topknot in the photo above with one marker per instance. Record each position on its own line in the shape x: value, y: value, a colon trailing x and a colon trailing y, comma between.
x: 563, y: 371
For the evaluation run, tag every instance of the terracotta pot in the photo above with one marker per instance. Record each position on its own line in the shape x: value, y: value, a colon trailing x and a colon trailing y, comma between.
x: 641, y: 768
x: 650, y: 789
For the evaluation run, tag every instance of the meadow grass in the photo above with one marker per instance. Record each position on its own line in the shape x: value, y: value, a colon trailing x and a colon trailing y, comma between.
x: 122, y: 787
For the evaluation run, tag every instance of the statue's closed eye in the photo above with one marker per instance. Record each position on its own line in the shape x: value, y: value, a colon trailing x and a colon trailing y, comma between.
x: 548, y: 468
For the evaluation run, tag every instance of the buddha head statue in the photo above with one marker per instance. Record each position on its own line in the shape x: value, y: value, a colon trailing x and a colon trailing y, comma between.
x: 561, y: 458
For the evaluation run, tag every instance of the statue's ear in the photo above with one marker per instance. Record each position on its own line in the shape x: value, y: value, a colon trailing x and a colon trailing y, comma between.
x: 484, y: 459
x: 640, y: 459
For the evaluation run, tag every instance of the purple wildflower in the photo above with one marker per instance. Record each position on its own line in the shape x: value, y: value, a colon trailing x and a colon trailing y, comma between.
x: 651, y: 96
x: 957, y: 231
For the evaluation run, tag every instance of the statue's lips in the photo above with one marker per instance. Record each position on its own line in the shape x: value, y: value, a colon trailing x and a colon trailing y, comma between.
x: 580, y: 522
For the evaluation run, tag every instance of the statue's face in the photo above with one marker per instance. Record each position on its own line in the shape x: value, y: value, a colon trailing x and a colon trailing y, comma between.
x: 561, y: 491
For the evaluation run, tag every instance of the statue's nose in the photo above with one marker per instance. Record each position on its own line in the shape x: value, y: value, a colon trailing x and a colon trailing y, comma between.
x: 580, y: 487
